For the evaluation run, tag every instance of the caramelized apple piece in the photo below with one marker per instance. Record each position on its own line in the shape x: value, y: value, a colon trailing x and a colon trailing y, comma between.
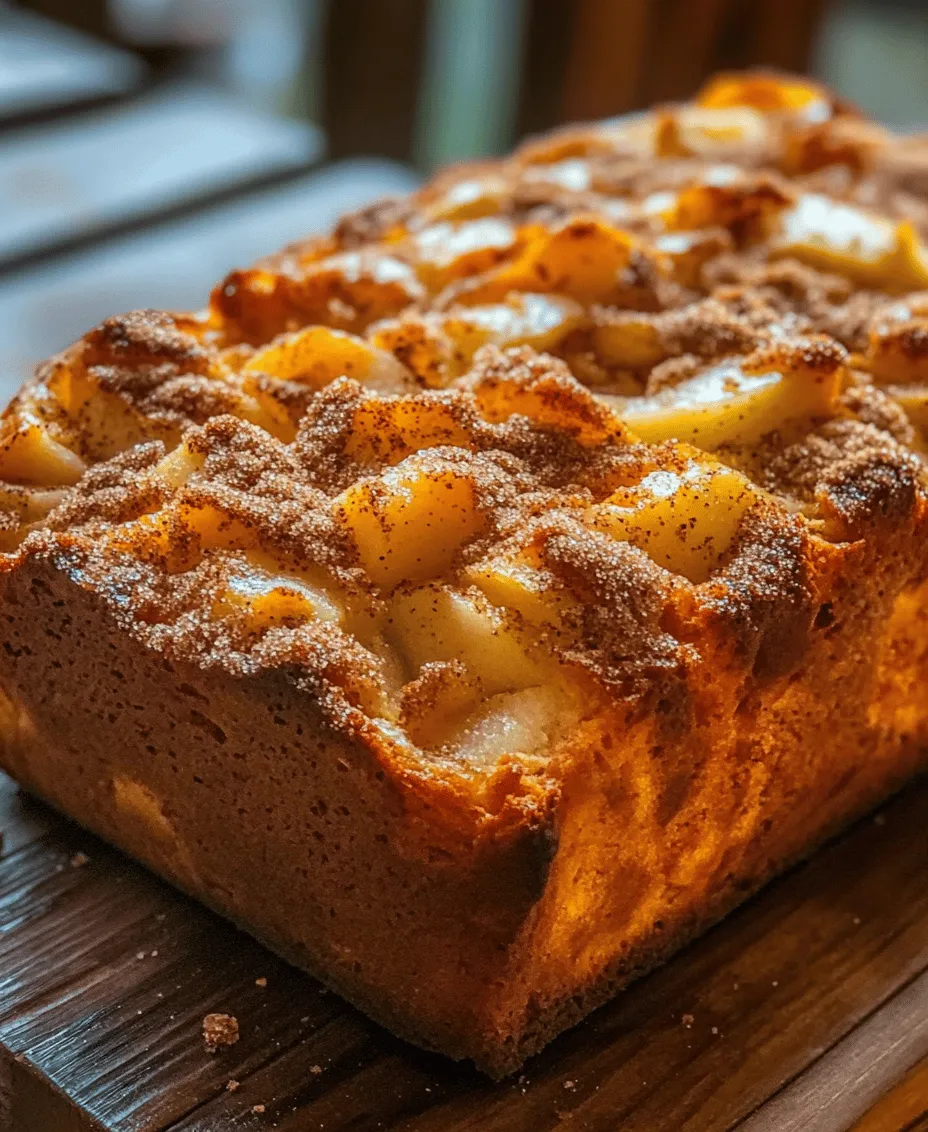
x: 687, y: 252
x: 216, y: 529
x: 257, y: 403
x: 551, y: 401
x: 447, y: 250
x: 179, y: 466
x: 869, y: 249
x: 423, y: 347
x: 628, y: 339
x: 572, y: 173
x: 914, y: 400
x: 711, y: 132
x: 585, y: 258
x: 409, y: 523
x: 106, y: 422
x: 525, y: 319
x: 437, y: 623
x: 179, y: 535
x: 520, y: 585
x: 470, y: 199
x: 22, y: 507
x: 441, y: 347
x: 725, y: 198
x: 28, y: 502
x: 318, y: 355
x: 387, y: 430
x: 30, y: 455
x: 768, y: 94
x: 897, y: 349
x: 685, y: 520
x: 269, y: 596
x: 350, y: 289
x: 727, y: 405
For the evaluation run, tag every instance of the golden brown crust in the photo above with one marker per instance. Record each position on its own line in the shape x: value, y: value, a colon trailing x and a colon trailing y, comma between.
x: 550, y: 492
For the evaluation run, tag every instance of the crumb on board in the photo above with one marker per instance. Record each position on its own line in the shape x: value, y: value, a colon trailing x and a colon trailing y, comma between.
x: 262, y: 982
x: 78, y: 860
x: 257, y: 1109
x: 315, y: 1069
x: 687, y: 1020
x: 219, y: 1030
x: 232, y: 1085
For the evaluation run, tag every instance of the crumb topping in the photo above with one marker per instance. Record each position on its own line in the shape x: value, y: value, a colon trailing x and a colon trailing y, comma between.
x: 488, y: 459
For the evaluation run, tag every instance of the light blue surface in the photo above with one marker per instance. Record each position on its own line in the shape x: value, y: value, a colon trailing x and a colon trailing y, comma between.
x: 74, y: 178
x: 174, y: 265
x: 43, y: 64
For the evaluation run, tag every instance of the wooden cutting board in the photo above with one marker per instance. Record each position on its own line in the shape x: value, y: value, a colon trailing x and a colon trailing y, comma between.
x: 807, y: 1009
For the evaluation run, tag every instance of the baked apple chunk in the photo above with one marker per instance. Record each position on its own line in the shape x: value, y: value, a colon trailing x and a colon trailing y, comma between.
x: 478, y: 601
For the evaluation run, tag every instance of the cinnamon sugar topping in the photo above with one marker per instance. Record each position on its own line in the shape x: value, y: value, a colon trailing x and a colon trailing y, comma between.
x: 522, y: 431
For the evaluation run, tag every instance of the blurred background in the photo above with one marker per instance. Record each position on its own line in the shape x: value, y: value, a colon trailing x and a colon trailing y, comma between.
x: 147, y: 146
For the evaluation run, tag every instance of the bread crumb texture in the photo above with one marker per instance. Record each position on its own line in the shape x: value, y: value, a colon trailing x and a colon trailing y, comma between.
x: 219, y: 1032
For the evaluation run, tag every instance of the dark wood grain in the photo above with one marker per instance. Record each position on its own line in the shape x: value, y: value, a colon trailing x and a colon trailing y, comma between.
x: 546, y: 46
x: 785, y: 33
x: 844, y: 1083
x: 607, y: 58
x: 106, y: 973
x: 904, y: 1108
x: 685, y: 51
x: 627, y: 54
x: 373, y: 64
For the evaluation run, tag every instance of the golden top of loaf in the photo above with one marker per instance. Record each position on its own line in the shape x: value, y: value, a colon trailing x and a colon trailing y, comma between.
x: 552, y: 438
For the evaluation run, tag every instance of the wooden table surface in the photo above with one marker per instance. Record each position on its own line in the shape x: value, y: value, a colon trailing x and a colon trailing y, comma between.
x: 807, y: 1009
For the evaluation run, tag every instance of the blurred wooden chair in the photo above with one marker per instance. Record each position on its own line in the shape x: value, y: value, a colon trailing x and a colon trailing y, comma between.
x: 580, y: 59
x: 625, y: 54
x: 570, y: 59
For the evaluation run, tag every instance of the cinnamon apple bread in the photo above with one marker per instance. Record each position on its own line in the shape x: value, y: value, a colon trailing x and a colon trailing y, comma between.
x: 478, y: 601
